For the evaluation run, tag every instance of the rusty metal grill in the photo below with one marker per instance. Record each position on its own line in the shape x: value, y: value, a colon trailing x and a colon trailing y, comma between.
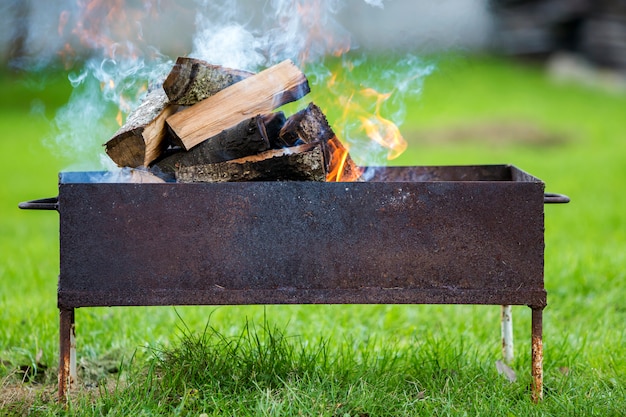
x: 409, y: 235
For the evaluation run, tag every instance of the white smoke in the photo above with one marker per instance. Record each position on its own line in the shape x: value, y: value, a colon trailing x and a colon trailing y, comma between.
x: 119, y: 65
x: 231, y: 46
x: 105, y: 89
x: 307, y: 32
x: 223, y: 38
x: 303, y: 31
x: 375, y: 3
x: 121, y: 58
x: 374, y: 90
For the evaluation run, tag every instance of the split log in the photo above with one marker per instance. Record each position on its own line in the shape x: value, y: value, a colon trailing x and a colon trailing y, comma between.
x: 192, y: 80
x: 298, y: 163
x: 310, y: 125
x: 247, y: 138
x: 307, y: 125
x: 144, y: 135
x: 258, y: 94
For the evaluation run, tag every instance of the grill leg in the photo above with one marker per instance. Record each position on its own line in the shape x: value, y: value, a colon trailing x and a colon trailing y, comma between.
x: 67, y: 352
x: 537, y: 354
x: 507, y: 334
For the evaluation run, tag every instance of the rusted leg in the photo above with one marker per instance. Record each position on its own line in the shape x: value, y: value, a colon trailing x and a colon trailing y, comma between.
x: 73, y: 374
x: 507, y: 334
x: 67, y: 352
x: 537, y: 354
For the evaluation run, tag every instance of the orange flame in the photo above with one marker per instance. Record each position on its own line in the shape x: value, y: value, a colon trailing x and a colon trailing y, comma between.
x: 119, y: 118
x: 363, y: 106
x: 379, y: 129
x: 341, y: 166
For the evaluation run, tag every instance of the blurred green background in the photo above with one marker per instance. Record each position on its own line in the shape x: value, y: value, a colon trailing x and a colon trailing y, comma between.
x: 559, y: 117
x: 473, y: 110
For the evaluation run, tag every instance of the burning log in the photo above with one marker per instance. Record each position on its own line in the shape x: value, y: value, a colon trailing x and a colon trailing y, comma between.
x: 144, y: 135
x: 247, y: 138
x: 341, y: 167
x: 298, y: 163
x: 307, y: 125
x: 257, y: 94
x: 310, y: 125
x: 222, y: 137
x: 192, y: 80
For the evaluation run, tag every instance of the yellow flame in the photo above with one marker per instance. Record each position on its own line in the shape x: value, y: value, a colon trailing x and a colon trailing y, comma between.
x: 361, y: 106
x: 385, y: 133
x: 340, y: 167
x: 357, y: 105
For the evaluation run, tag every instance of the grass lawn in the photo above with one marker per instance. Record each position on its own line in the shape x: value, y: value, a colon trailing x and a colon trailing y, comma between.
x: 345, y: 360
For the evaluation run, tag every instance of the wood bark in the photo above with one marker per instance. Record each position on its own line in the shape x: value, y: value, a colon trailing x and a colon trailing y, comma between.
x: 144, y: 135
x: 192, y: 80
x: 299, y: 163
x: 310, y: 125
x: 257, y: 94
x: 246, y: 138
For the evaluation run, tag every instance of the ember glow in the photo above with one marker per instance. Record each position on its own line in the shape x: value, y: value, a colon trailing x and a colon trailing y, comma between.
x: 338, y: 162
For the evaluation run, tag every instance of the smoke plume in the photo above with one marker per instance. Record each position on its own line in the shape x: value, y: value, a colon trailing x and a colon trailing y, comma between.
x: 109, y: 49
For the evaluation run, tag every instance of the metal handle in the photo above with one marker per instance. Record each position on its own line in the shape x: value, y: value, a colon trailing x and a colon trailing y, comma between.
x: 51, y: 203
x: 553, y: 198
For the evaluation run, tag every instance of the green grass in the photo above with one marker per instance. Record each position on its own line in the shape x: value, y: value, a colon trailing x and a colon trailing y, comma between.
x: 346, y: 360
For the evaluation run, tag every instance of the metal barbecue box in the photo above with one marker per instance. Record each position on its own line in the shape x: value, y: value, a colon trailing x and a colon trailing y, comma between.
x: 408, y: 235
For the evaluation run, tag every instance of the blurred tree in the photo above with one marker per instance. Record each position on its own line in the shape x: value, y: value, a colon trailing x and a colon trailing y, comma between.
x: 595, y: 29
x: 18, y: 48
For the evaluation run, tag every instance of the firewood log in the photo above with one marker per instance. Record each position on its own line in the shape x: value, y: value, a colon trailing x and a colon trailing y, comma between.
x: 144, y: 135
x: 307, y: 125
x: 246, y: 138
x: 310, y: 125
x: 340, y: 166
x: 258, y: 94
x: 192, y: 80
x: 299, y: 163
